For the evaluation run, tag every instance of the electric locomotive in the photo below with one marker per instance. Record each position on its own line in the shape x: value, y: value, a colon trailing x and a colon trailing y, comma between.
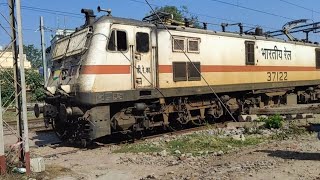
x: 123, y: 75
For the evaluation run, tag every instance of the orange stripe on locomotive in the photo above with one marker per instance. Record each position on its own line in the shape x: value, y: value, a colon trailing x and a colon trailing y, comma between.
x: 125, y: 69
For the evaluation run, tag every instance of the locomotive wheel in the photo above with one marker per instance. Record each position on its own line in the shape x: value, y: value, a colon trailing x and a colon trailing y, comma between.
x: 60, y: 128
x: 199, y: 122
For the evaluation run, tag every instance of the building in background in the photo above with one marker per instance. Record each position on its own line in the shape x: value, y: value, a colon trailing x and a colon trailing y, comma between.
x: 60, y: 33
x: 6, y: 59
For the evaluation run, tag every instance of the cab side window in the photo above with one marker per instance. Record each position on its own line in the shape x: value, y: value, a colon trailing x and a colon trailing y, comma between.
x: 250, y: 59
x: 142, y: 42
x: 317, y: 58
x: 118, y: 41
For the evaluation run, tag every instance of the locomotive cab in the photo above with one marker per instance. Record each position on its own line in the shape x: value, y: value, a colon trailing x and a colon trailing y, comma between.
x: 94, y: 66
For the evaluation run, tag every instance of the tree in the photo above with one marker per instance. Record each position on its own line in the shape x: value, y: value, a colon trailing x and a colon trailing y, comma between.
x: 34, y: 83
x: 34, y: 55
x: 179, y: 14
x: 7, y: 86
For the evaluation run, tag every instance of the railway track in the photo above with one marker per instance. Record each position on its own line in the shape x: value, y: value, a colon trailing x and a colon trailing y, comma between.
x: 30, y: 122
x: 35, y: 124
x: 114, y: 139
x: 118, y: 138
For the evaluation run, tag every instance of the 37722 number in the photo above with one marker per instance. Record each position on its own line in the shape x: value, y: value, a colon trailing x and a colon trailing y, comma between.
x: 277, y: 76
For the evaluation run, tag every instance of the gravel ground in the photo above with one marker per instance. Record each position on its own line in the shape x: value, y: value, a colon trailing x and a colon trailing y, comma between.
x: 294, y: 158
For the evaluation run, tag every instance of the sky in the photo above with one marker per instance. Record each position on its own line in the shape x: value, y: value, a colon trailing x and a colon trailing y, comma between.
x: 269, y: 14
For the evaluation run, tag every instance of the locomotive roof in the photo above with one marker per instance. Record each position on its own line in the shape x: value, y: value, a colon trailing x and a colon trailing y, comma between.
x: 134, y: 22
x: 126, y: 21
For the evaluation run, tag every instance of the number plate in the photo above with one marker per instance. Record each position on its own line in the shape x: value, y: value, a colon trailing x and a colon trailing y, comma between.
x: 277, y: 76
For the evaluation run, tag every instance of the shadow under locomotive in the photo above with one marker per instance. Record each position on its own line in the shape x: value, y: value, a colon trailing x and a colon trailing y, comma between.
x: 50, y: 137
x: 293, y: 155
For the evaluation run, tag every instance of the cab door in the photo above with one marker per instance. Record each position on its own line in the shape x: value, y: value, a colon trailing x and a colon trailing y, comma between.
x: 143, y: 59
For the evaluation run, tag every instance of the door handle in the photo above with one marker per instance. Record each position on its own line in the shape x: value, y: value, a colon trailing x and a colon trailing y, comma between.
x: 137, y: 57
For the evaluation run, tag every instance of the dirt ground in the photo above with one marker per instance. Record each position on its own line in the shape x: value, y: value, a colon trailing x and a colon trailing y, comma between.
x: 294, y: 158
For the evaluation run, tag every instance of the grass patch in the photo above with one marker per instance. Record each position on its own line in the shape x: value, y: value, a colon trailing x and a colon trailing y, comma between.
x: 272, y: 122
x: 194, y: 143
x: 140, y: 147
x: 291, y: 131
x: 52, y: 171
x: 201, y: 142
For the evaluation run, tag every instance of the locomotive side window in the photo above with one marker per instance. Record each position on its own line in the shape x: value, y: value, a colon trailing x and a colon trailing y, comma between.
x: 112, y: 42
x: 142, y: 42
x: 185, y: 44
x: 317, y: 58
x: 118, y: 41
x: 186, y: 71
x: 249, y: 52
x: 178, y: 44
x: 193, y: 74
x: 122, y: 41
x: 193, y: 45
x: 179, y: 71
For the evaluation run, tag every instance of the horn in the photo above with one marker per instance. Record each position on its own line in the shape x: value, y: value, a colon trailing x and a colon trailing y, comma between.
x: 99, y: 9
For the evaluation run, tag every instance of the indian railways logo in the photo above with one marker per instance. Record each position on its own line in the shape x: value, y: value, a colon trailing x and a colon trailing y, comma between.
x: 276, y: 53
x: 56, y: 74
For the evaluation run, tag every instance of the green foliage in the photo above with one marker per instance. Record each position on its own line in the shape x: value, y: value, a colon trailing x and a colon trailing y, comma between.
x: 274, y: 122
x: 194, y: 143
x: 292, y: 130
x: 179, y: 14
x: 253, y: 130
x: 34, y: 82
x: 34, y: 55
x: 7, y: 86
x: 262, y: 119
x: 202, y: 142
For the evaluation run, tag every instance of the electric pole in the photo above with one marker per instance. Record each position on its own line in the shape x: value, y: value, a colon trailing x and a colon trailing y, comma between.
x: 23, y: 90
x: 43, y: 48
x: 16, y: 75
x: 3, y: 166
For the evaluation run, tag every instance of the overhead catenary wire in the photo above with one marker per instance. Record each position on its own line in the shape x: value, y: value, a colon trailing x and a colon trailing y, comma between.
x: 299, y: 6
x: 5, y: 18
x: 77, y: 15
x: 210, y: 16
x: 25, y: 29
x: 233, y: 21
x: 49, y: 11
x: 198, y: 71
x: 252, y: 9
x: 6, y: 27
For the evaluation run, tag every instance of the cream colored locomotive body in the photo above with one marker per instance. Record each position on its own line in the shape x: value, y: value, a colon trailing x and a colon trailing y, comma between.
x: 117, y: 60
